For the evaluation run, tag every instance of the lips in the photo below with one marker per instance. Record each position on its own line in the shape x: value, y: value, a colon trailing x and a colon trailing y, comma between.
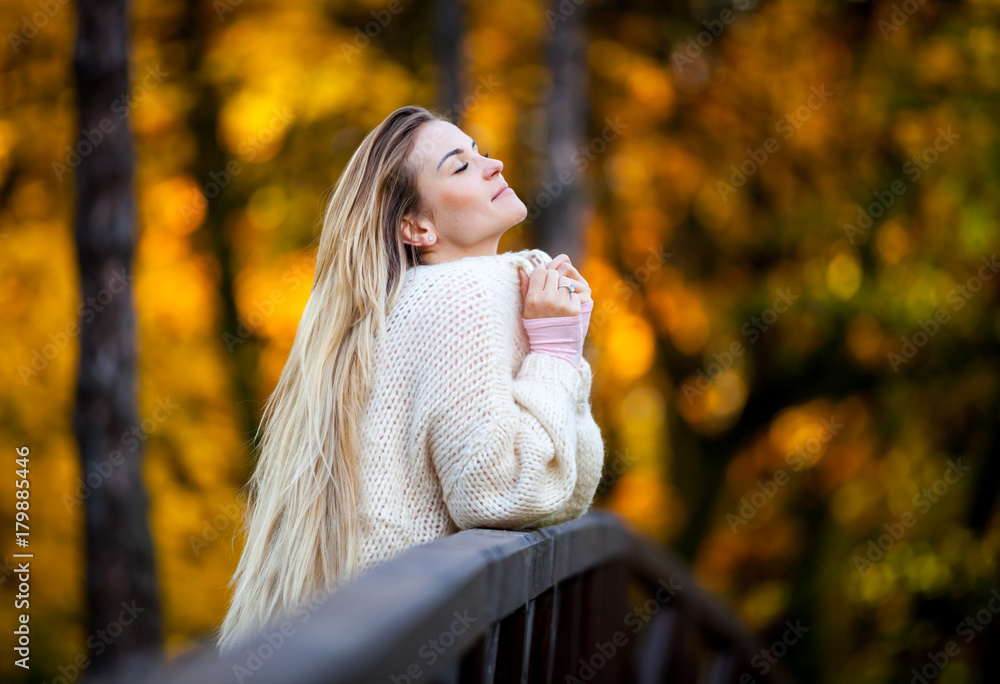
x: 505, y: 186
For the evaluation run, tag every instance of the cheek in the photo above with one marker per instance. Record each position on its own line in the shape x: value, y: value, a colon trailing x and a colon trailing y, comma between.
x: 463, y: 191
x: 458, y: 200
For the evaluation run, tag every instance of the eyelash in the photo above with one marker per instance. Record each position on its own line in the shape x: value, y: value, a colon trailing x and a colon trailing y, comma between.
x: 466, y: 165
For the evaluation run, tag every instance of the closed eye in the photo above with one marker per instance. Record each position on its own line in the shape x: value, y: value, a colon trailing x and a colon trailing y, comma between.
x: 466, y: 165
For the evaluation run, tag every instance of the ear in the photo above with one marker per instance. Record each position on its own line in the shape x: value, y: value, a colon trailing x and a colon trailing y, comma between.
x: 407, y: 229
x: 410, y: 229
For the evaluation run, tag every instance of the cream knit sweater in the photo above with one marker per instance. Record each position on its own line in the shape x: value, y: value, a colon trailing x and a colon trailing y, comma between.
x: 466, y: 427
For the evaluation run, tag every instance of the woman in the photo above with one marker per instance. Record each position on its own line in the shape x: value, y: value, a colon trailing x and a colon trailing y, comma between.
x: 433, y: 385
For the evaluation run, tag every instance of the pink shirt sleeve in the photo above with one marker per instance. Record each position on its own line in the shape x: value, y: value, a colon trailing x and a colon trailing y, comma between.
x: 560, y: 336
x: 585, y: 310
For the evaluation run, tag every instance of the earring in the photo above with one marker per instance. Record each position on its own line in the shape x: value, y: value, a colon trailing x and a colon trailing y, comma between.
x: 430, y: 238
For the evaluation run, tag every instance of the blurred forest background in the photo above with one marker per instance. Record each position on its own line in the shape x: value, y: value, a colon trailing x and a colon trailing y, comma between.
x: 786, y: 210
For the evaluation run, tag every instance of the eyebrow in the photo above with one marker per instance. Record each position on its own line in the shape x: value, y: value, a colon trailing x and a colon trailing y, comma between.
x: 457, y: 150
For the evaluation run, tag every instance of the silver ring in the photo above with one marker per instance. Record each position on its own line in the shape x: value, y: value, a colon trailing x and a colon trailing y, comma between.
x: 571, y: 287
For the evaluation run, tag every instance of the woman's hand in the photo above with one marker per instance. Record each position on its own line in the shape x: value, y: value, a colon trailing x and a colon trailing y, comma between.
x: 544, y: 298
x: 562, y: 264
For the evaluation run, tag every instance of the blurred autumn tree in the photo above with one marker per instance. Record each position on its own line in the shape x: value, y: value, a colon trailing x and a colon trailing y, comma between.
x: 795, y: 333
x: 119, y: 556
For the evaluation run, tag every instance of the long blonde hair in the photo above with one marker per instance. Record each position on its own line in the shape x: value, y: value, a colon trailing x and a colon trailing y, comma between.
x: 303, y: 526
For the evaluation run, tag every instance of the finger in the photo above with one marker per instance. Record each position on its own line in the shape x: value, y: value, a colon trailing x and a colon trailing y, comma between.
x: 582, y: 290
x: 551, y: 282
x: 536, y: 281
x: 566, y: 280
x: 558, y: 260
x: 568, y: 269
x: 564, y: 290
x: 537, y: 274
x: 524, y: 282
x: 563, y: 265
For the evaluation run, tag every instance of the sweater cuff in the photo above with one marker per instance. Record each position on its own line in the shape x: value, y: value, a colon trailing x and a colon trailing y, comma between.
x: 552, y: 370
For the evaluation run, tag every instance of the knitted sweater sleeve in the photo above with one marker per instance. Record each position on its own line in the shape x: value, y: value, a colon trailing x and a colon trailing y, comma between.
x: 511, y: 450
x: 590, y: 459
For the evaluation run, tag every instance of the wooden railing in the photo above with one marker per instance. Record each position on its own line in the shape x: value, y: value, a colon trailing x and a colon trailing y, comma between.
x: 585, y: 601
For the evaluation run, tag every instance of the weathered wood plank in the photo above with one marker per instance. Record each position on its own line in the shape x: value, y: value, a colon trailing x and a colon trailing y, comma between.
x: 511, y: 652
x: 568, y: 629
x: 493, y: 606
x: 657, y: 650
x: 543, y: 636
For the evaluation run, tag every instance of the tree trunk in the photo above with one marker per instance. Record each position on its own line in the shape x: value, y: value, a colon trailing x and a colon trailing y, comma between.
x: 561, y: 199
x: 122, y: 598
x: 448, y: 29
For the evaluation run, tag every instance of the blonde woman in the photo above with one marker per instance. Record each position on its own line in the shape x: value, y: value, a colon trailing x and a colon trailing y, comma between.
x: 433, y: 385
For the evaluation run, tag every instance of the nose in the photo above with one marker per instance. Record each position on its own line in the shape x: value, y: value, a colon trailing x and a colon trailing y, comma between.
x: 493, y: 167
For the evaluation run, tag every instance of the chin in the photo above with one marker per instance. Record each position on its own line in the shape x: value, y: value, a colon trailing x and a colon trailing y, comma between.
x: 524, y: 210
x: 517, y: 222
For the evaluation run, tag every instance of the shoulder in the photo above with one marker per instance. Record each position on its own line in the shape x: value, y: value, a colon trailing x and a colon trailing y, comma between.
x: 491, y: 278
x: 482, y: 292
x: 499, y: 284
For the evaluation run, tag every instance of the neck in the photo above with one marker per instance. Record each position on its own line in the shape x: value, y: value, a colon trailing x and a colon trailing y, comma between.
x: 446, y: 254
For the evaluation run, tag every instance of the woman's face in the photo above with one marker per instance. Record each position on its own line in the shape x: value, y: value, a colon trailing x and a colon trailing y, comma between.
x: 459, y: 187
